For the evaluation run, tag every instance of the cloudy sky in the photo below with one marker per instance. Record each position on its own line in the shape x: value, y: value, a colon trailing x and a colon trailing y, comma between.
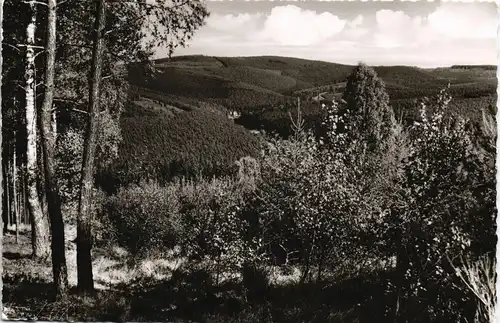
x: 419, y: 33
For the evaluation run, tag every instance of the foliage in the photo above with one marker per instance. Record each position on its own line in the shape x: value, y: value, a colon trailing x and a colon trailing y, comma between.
x: 130, y: 35
x: 447, y: 198
x: 372, y: 153
x: 69, y: 156
x: 100, y: 222
x: 204, y: 218
x: 212, y: 223
x: 129, y: 39
x: 144, y: 217
x: 346, y: 184
x: 487, y: 67
x: 307, y: 202
x: 367, y: 108
x: 69, y: 165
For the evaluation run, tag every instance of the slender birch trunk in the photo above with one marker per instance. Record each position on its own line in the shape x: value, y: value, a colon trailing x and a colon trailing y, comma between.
x: 14, y: 185
x: 59, y: 269
x: 84, y: 226
x: 1, y: 143
x: 5, y: 216
x: 25, y: 204
x: 7, y: 195
x: 40, y: 239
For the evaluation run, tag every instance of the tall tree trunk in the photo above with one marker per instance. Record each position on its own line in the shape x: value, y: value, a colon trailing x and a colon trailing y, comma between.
x: 14, y: 184
x: 19, y: 203
x: 5, y: 214
x: 7, y: 191
x: 59, y: 268
x: 25, y: 206
x: 1, y: 143
x: 40, y: 239
x: 84, y: 229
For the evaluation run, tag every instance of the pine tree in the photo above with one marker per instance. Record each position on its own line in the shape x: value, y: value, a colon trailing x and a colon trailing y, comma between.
x: 84, y: 239
x: 59, y: 267
x: 367, y: 108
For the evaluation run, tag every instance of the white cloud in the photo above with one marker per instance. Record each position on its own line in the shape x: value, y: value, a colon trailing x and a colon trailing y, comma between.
x: 229, y: 22
x: 449, y: 22
x: 292, y: 26
x: 395, y: 28
x: 451, y: 34
x: 463, y: 21
x: 355, y: 33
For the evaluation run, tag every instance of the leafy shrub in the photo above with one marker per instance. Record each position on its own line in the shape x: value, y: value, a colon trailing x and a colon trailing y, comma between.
x: 202, y: 216
x: 446, y: 199
x: 213, y: 221
x: 305, y: 202
x: 145, y: 217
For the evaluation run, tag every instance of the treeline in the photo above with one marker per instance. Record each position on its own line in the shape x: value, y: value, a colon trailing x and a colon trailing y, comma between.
x: 474, y: 90
x: 468, y: 67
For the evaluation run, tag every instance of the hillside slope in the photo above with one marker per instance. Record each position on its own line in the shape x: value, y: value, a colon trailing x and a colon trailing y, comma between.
x: 183, y: 110
x: 253, y: 82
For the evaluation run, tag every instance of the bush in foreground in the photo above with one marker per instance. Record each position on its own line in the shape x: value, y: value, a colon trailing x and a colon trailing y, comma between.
x: 145, y: 217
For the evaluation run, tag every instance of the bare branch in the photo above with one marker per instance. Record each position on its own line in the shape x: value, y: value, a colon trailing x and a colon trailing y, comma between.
x: 32, y: 46
x: 12, y: 46
x: 36, y: 2
x: 78, y: 110
x: 40, y: 52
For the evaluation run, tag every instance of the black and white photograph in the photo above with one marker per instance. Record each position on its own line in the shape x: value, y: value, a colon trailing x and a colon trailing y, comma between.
x: 242, y: 161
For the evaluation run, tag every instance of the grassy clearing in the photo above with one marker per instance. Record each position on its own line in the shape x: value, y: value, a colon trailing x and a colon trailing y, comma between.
x: 168, y: 288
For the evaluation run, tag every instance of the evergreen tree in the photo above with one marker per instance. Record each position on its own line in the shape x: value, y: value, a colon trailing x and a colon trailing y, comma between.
x: 367, y: 110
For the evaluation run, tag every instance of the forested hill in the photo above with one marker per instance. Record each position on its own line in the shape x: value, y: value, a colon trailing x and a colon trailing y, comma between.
x: 180, y: 110
x: 250, y: 84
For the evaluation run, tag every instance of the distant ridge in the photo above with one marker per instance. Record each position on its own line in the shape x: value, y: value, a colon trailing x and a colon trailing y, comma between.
x: 467, y: 67
x: 258, y: 86
x: 198, y: 57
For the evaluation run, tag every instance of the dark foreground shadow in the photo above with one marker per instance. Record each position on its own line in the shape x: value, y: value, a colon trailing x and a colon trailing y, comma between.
x: 193, y: 297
